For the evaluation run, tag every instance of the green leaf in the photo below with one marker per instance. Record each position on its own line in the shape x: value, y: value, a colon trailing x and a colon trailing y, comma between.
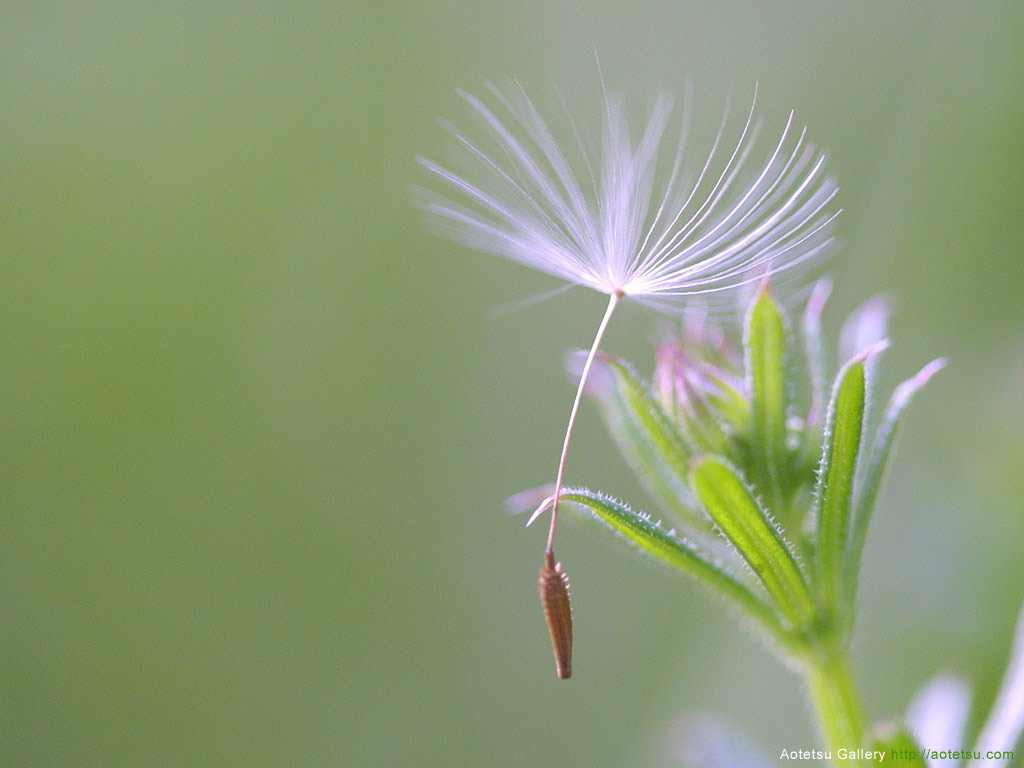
x: 871, y: 479
x: 701, y: 423
x: 727, y: 399
x: 711, y: 572
x: 766, y: 365
x: 645, y: 436
x: 843, y: 431
x: 735, y: 510
x: 899, y: 747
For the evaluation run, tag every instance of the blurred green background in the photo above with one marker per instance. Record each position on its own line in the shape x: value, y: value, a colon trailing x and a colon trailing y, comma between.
x: 258, y: 422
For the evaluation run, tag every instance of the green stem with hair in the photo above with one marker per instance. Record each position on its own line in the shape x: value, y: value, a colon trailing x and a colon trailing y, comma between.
x: 835, y: 702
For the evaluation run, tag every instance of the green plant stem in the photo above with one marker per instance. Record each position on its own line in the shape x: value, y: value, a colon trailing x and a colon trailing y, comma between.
x: 835, y: 702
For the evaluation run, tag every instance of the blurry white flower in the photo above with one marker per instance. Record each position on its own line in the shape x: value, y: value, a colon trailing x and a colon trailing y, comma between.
x: 703, y: 741
x: 630, y: 225
x: 938, y: 715
x: 1005, y: 723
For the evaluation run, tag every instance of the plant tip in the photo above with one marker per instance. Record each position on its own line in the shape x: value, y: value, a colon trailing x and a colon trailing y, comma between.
x: 540, y: 509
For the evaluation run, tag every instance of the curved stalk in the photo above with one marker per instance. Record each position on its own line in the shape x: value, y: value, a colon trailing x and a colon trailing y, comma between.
x: 560, y: 475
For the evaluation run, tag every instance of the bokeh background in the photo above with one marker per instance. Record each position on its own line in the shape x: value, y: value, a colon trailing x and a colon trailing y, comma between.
x: 258, y: 422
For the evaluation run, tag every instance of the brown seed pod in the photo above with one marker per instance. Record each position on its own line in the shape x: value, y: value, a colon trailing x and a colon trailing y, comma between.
x: 554, y: 597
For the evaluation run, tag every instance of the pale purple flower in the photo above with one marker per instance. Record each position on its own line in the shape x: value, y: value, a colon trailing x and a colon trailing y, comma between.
x: 631, y: 225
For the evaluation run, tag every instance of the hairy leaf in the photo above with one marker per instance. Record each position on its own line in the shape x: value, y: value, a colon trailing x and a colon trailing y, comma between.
x: 765, y: 341
x: 726, y: 397
x: 871, y: 478
x: 735, y: 510
x: 833, y: 496
x: 645, y: 435
x: 711, y: 572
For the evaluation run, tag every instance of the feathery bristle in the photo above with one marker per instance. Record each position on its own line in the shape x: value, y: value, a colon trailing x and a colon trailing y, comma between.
x: 627, y: 223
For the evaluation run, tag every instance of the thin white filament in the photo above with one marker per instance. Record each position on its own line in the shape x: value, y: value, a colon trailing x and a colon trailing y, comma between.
x: 560, y: 475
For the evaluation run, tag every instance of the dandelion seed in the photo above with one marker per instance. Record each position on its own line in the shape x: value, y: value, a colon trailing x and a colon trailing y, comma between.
x: 554, y: 597
x: 631, y: 228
